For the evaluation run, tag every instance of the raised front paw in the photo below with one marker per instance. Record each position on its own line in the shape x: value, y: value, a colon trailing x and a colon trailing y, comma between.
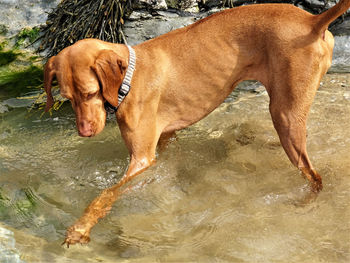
x: 76, y: 234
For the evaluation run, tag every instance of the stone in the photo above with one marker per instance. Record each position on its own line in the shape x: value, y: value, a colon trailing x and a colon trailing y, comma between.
x: 139, y: 15
x: 154, y: 4
x: 18, y: 14
x: 139, y: 31
x: 3, y: 29
x: 3, y: 108
x: 341, y: 29
x: 211, y: 3
x: 17, y: 103
x: 8, y: 251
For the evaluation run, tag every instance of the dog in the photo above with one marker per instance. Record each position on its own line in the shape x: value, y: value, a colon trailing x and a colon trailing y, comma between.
x: 170, y: 82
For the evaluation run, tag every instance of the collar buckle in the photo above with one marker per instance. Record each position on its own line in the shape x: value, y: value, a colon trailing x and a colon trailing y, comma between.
x: 110, y: 108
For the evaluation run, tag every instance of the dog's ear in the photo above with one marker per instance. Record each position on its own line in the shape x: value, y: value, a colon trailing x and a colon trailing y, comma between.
x: 49, y: 74
x: 110, y: 69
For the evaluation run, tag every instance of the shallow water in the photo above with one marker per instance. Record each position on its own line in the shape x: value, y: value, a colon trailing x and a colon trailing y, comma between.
x: 222, y: 191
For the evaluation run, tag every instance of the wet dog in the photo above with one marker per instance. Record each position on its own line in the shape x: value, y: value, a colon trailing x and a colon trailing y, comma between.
x: 173, y: 81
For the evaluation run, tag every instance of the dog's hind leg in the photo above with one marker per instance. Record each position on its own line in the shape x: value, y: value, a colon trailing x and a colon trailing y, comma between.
x: 290, y: 101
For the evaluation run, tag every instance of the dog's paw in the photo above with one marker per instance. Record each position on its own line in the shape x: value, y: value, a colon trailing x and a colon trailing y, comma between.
x: 316, y: 186
x: 316, y: 183
x: 76, y: 234
x: 314, y: 178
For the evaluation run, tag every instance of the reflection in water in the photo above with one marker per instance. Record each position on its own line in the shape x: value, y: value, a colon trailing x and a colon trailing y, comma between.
x: 222, y: 190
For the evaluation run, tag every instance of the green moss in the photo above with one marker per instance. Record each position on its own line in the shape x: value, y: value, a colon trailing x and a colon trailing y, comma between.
x: 30, y: 34
x: 34, y: 58
x: 27, y: 204
x: 18, y: 82
x: 19, y: 72
x: 6, y: 57
x: 3, y: 44
x: 24, y: 203
x: 4, y: 203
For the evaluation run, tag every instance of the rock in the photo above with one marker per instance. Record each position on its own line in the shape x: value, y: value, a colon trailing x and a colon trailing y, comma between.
x: 207, y: 4
x: 137, y: 31
x: 8, y: 251
x: 17, y: 103
x: 341, y: 29
x: 174, y: 4
x: 184, y: 5
x: 139, y: 15
x: 3, y: 29
x: 153, y: 4
x: 189, y: 6
x: 18, y: 14
x: 167, y: 14
x: 315, y: 4
x: 3, y: 108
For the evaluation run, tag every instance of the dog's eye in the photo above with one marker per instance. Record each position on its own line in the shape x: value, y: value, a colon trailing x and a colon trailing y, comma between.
x: 91, y: 95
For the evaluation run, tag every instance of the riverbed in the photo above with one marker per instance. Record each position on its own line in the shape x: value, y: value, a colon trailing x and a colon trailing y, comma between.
x: 222, y: 191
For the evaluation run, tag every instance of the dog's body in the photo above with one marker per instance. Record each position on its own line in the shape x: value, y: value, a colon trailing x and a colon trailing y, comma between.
x: 182, y: 76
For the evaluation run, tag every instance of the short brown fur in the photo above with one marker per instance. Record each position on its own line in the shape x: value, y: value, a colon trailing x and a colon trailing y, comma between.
x: 182, y: 76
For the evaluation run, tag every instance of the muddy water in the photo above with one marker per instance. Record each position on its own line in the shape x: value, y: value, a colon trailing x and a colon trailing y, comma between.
x: 222, y: 191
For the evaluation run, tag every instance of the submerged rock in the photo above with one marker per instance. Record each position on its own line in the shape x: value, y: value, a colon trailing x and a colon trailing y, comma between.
x: 3, y: 108
x: 17, y: 103
x: 8, y: 251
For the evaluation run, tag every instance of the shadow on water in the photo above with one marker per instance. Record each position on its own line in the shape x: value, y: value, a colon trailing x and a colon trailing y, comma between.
x: 222, y: 190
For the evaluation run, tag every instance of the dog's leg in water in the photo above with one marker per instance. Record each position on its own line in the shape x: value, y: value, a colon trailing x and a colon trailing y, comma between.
x: 101, y: 205
x: 289, y: 107
x: 142, y: 150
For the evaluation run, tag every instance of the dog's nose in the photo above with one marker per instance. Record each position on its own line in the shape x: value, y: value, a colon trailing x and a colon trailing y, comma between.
x: 85, y: 128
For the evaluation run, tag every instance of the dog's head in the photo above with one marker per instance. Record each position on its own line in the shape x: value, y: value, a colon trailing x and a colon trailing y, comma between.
x: 88, y: 76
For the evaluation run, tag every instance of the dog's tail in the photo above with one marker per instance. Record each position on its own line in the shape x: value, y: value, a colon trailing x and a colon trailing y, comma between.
x: 323, y: 20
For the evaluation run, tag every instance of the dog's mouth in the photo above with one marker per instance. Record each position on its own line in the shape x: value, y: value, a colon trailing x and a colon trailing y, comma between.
x: 88, y: 128
x: 90, y: 121
x: 86, y: 133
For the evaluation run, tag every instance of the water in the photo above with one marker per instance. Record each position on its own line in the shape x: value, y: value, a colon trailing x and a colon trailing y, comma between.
x: 222, y: 191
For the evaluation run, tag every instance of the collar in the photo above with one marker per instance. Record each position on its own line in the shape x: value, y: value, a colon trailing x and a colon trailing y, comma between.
x: 126, y: 84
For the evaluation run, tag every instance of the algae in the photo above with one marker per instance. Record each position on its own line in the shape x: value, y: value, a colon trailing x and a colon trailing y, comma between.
x: 6, y: 57
x: 27, y: 35
x: 23, y: 203
x: 20, y: 81
x: 20, y: 70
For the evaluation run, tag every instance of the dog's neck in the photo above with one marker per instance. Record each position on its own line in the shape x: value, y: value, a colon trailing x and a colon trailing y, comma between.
x: 126, y: 84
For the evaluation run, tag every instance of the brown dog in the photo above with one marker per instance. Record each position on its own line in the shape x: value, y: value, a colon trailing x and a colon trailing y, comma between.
x: 182, y: 76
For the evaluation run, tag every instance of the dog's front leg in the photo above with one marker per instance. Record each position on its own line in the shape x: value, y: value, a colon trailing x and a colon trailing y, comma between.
x: 142, y: 151
x: 101, y: 205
